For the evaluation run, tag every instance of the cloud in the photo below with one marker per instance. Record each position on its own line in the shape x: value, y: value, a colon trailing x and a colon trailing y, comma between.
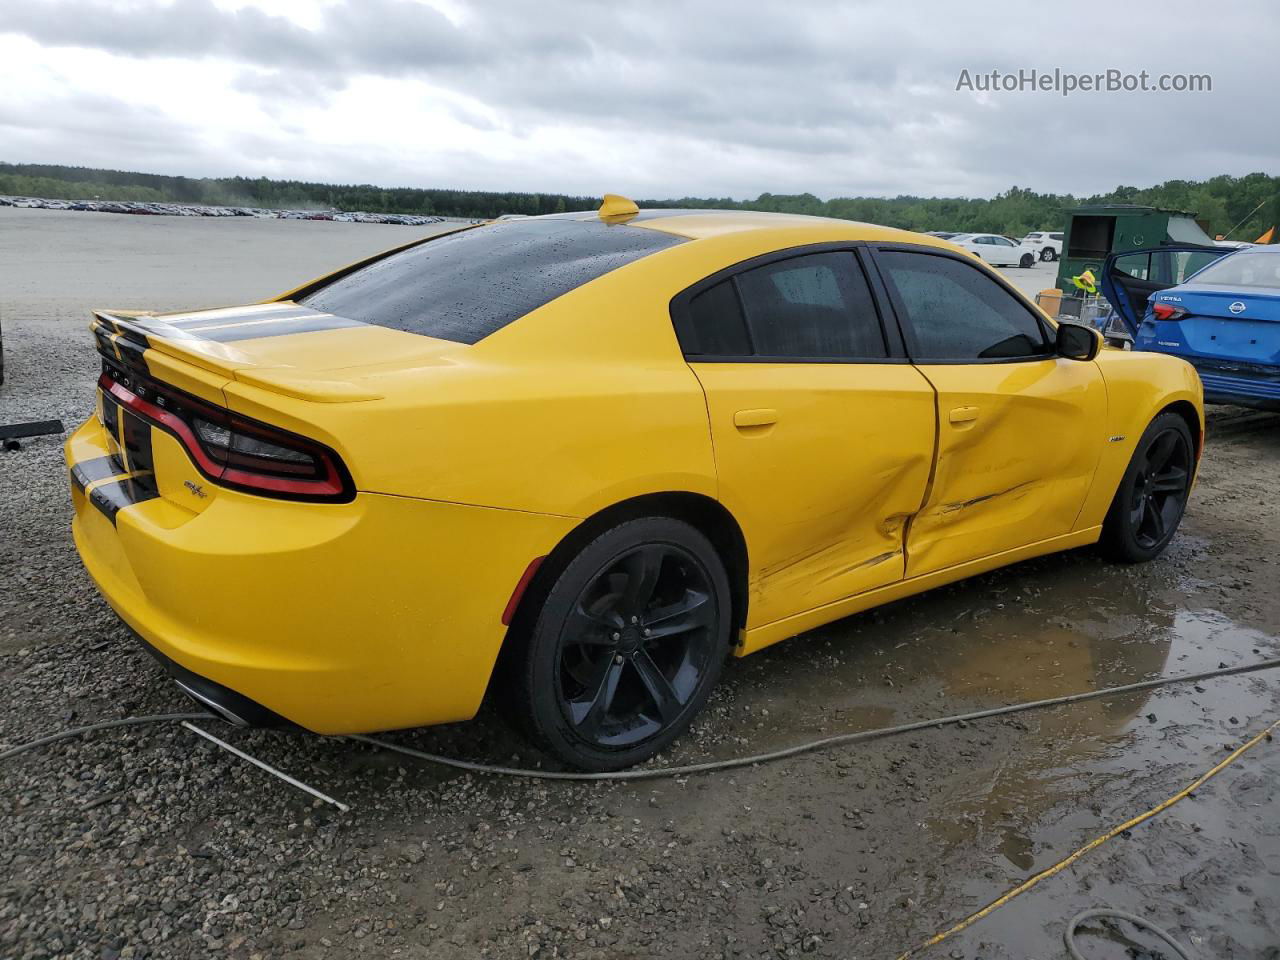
x: 678, y: 99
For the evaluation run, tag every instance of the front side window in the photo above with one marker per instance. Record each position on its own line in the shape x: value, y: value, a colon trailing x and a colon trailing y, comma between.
x: 956, y: 312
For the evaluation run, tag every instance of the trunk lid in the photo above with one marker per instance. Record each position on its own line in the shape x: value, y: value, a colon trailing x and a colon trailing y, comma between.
x: 1237, y: 327
x: 164, y: 375
x: 281, y: 347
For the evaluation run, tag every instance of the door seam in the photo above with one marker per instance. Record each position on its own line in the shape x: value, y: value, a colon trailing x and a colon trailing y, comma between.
x: 933, y: 472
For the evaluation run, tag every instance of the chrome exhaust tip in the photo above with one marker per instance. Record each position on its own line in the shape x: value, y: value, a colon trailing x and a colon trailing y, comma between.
x: 221, y: 710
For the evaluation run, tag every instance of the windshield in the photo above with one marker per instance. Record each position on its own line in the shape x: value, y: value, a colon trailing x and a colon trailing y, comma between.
x: 1247, y: 268
x: 464, y: 286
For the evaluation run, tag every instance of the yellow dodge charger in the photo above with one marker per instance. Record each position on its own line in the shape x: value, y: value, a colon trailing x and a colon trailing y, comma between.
x: 584, y: 458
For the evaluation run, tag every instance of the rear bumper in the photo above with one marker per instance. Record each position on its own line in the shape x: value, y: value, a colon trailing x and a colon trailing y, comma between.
x: 1260, y: 391
x: 226, y: 703
x: 380, y: 613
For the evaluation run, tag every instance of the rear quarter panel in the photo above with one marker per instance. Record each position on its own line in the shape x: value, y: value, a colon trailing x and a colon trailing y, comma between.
x: 582, y: 403
x: 1139, y: 386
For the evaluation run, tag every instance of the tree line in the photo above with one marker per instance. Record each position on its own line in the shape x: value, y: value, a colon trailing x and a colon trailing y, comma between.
x: 1246, y: 205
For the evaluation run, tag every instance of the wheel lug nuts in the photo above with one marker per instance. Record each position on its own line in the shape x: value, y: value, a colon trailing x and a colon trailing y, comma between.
x: 617, y: 636
x: 646, y: 631
x: 635, y: 619
x: 618, y: 658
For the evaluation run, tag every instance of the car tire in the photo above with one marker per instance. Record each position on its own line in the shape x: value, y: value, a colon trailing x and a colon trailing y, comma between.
x: 1048, y: 255
x: 1152, y: 496
x: 1028, y: 260
x: 630, y: 638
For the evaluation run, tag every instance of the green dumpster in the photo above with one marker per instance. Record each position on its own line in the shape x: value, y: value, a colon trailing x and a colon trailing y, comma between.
x: 1093, y: 232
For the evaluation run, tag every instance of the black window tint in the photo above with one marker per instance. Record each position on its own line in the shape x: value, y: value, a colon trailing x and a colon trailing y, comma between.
x: 813, y: 306
x: 958, y: 313
x: 464, y: 286
x: 717, y: 327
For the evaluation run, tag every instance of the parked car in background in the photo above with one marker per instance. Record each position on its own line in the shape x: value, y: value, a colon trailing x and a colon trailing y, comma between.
x: 1216, y: 308
x: 192, y: 210
x: 1049, y: 244
x: 941, y: 234
x: 997, y: 250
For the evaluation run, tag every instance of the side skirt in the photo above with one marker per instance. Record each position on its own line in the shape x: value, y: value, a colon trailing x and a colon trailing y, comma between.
x: 757, y: 638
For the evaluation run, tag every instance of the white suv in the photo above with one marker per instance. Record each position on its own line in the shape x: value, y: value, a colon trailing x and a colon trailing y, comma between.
x: 1049, y: 244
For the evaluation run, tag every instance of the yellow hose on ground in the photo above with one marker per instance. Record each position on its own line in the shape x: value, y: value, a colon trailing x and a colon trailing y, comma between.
x: 1092, y: 844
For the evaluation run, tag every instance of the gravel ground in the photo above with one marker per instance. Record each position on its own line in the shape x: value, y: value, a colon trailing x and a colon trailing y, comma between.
x: 151, y: 842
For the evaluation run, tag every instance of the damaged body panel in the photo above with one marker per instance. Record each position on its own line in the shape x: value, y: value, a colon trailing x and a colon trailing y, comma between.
x: 1017, y: 448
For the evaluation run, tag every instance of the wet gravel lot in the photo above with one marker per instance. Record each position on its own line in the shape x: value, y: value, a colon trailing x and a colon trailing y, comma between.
x: 151, y: 842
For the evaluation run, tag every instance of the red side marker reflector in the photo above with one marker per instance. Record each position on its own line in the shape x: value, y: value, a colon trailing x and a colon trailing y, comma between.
x: 518, y: 592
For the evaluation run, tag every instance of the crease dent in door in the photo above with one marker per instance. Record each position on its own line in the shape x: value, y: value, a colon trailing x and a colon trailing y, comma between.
x: 962, y: 443
x: 828, y: 560
x: 974, y: 501
x: 1017, y: 474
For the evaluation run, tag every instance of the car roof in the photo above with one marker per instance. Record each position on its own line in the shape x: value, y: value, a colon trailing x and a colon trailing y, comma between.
x: 702, y: 224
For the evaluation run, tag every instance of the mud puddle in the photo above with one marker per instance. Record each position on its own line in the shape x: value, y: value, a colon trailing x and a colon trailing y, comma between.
x: 1048, y: 628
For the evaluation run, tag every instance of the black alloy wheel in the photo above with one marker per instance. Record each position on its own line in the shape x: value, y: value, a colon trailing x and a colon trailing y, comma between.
x: 629, y: 642
x: 1152, y: 496
x: 1027, y: 261
x: 1160, y: 488
x: 636, y: 645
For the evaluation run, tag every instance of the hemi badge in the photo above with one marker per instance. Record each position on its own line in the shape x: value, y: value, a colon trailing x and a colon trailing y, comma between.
x: 1114, y: 439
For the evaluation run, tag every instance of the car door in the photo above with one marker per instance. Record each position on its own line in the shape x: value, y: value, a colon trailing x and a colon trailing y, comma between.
x: 823, y: 431
x: 1129, y: 279
x: 1007, y: 253
x: 1019, y: 428
x: 995, y: 250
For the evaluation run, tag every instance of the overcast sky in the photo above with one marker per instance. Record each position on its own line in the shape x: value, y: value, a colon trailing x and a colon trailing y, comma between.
x: 646, y: 99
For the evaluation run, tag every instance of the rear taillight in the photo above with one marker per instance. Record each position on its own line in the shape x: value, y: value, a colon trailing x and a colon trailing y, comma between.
x: 1167, y: 311
x: 233, y: 450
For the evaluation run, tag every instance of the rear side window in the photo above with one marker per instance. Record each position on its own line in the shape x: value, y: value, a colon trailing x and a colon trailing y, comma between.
x: 812, y: 307
x: 467, y: 285
x: 717, y: 322
x: 957, y: 312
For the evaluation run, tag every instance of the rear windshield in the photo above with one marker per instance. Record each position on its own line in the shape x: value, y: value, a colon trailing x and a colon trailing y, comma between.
x: 465, y: 286
x: 1243, y: 270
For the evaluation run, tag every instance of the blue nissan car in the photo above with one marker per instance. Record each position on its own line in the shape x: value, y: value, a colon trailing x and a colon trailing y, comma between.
x: 1217, y: 308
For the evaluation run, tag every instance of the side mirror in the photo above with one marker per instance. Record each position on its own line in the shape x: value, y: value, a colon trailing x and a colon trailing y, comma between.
x: 1078, y: 342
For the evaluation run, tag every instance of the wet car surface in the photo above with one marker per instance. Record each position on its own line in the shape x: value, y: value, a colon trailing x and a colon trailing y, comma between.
x: 155, y: 840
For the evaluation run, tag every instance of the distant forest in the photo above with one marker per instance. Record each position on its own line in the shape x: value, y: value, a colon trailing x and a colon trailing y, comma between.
x: 1249, y: 204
